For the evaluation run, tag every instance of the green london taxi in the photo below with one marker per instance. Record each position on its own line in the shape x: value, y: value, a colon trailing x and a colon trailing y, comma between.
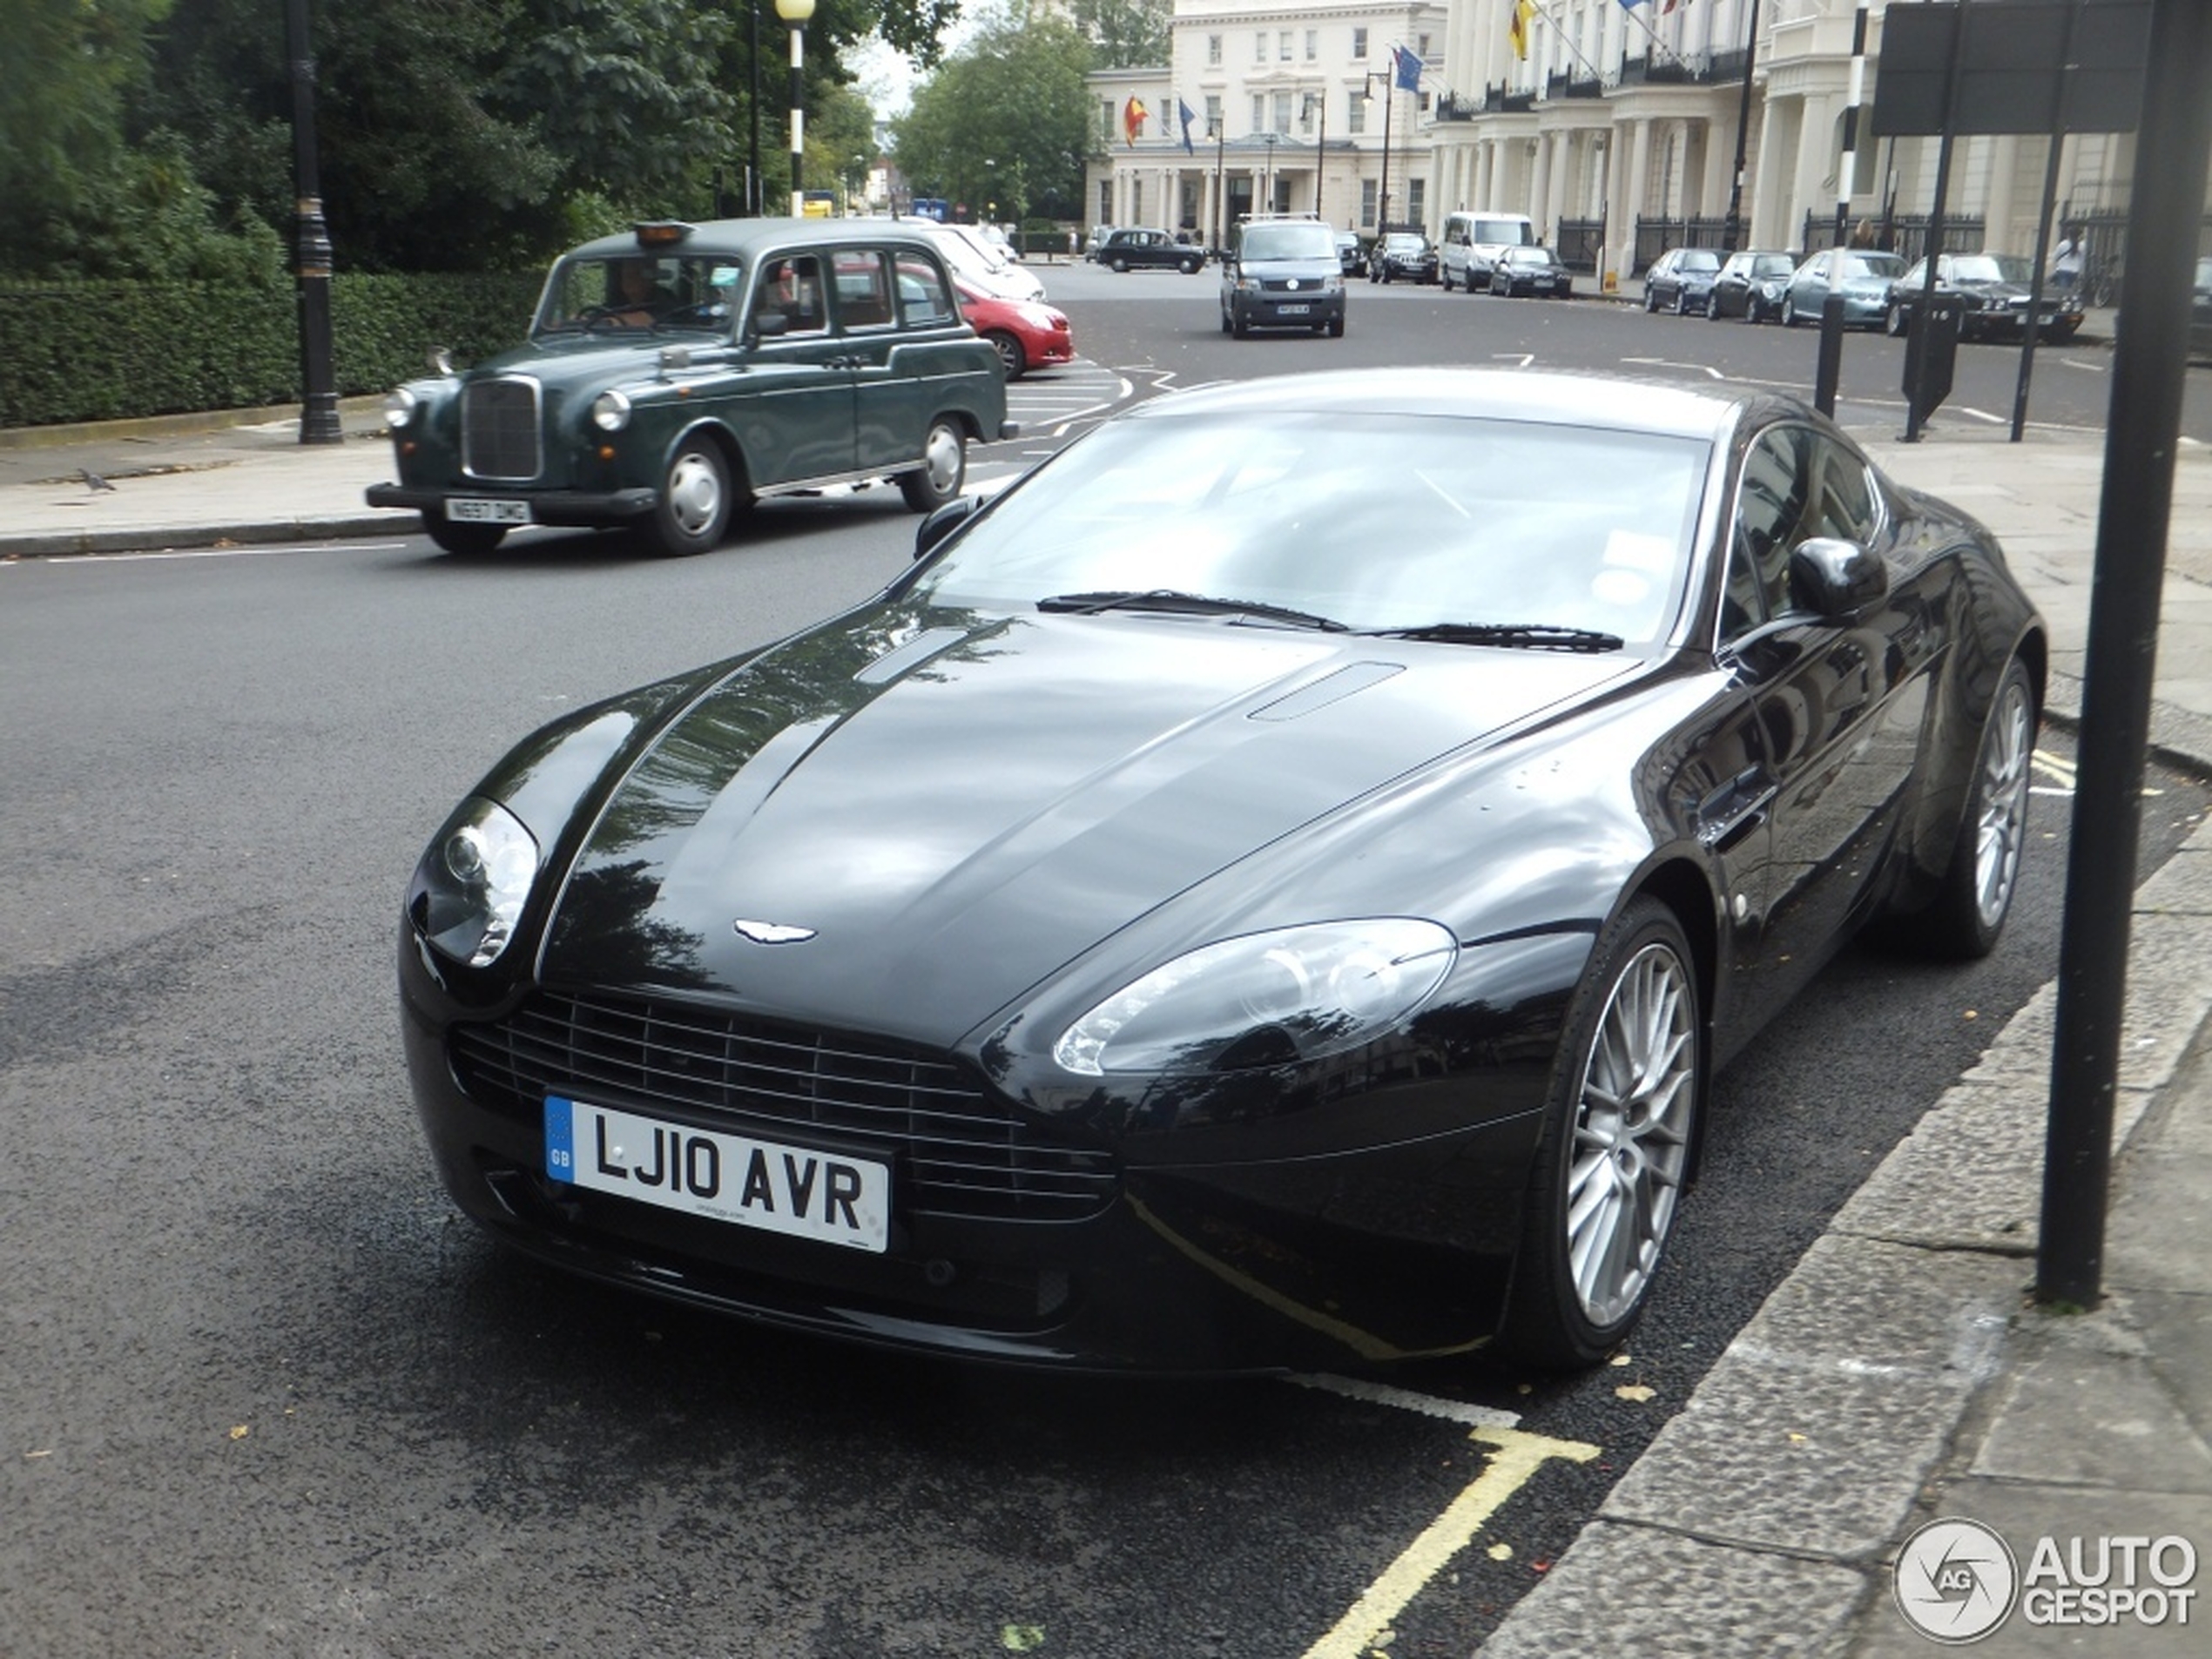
x: 675, y: 373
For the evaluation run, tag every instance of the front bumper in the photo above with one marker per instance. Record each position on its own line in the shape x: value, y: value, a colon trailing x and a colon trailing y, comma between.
x: 1258, y: 1258
x: 562, y: 507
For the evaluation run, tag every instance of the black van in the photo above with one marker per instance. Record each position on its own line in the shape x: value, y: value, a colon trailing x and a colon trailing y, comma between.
x: 1281, y: 271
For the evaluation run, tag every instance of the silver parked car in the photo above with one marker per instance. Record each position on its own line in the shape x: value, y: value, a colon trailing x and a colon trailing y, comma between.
x: 1863, y: 277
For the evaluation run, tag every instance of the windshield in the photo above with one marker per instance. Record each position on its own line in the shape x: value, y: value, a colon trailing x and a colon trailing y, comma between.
x: 1882, y: 266
x: 1375, y: 521
x: 1989, y: 268
x: 1773, y: 264
x: 1306, y: 242
x: 634, y: 294
x: 1699, y: 259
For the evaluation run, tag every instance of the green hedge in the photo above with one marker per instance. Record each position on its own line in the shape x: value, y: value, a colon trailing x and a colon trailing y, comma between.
x: 103, y: 351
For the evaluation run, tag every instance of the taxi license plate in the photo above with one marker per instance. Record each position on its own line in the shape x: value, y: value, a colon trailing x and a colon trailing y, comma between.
x: 470, y: 510
x: 1293, y: 310
x: 822, y: 1195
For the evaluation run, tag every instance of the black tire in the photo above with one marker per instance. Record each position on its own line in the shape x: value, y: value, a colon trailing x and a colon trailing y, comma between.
x: 1895, y: 322
x: 1650, y: 301
x: 1244, y: 326
x: 1682, y: 302
x: 943, y: 469
x: 1120, y: 264
x: 1970, y: 907
x: 1336, y: 328
x: 1752, y: 309
x: 1619, y: 1134
x: 1788, y: 312
x: 1189, y: 268
x: 1010, y: 351
x: 696, y: 503
x: 462, y: 541
x: 1712, y: 308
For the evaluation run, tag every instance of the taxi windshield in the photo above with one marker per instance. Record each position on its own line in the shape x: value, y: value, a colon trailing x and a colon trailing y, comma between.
x: 635, y: 293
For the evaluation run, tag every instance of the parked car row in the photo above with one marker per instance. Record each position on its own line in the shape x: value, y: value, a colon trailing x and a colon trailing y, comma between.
x: 1991, y: 291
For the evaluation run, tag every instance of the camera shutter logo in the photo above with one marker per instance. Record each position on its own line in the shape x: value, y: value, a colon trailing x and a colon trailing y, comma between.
x: 1955, y: 1580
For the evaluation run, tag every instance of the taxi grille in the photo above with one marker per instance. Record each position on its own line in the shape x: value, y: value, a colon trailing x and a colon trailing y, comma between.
x: 499, y: 429
x: 959, y: 1153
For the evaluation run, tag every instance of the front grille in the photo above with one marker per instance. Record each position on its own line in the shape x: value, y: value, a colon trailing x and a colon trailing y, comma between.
x: 958, y: 1151
x: 499, y: 429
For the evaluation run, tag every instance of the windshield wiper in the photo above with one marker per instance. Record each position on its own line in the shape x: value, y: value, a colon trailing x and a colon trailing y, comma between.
x: 1089, y: 604
x: 1522, y: 635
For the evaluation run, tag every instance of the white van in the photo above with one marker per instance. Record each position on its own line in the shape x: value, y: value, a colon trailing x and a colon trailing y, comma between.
x: 1471, y: 243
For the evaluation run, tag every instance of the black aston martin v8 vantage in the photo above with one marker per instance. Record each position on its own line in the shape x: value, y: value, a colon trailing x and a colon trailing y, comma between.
x: 1263, y: 944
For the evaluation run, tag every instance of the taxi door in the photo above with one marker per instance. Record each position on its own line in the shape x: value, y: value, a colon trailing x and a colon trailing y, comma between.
x: 800, y: 412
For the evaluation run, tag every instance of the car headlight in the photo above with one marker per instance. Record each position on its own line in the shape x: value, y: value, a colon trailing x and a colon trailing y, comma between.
x: 1265, y: 998
x: 469, y: 889
x: 400, y: 408
x: 610, y: 411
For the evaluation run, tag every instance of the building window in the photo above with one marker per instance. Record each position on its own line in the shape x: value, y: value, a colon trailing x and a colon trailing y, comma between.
x: 1358, y: 122
x: 1259, y: 46
x: 1420, y: 47
x: 1312, y: 44
x: 1366, y: 201
x: 1259, y: 113
x: 1282, y: 122
x: 1215, y: 126
x: 1416, y: 197
x: 1359, y: 45
x: 1283, y: 46
x: 1213, y: 52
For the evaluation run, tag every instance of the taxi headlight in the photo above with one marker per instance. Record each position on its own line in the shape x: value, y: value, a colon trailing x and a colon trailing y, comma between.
x: 400, y: 408
x: 1294, y: 993
x: 469, y: 887
x: 610, y: 411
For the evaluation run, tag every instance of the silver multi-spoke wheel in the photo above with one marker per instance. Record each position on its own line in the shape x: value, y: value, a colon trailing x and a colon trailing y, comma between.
x: 1632, y: 1126
x: 2007, y: 747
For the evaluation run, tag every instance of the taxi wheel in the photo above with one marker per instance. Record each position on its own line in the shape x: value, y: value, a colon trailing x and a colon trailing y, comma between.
x: 695, y: 502
x: 464, y: 541
x: 943, y: 469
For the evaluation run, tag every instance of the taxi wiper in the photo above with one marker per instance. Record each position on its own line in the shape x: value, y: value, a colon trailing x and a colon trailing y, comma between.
x: 1089, y: 604
x: 1522, y: 635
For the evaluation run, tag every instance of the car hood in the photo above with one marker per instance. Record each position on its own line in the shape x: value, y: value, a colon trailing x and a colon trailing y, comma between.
x: 950, y: 808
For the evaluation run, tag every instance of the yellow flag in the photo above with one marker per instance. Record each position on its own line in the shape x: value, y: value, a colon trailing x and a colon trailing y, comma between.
x: 1524, y: 13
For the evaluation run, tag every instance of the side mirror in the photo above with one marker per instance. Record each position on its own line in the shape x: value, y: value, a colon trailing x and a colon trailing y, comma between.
x: 942, y: 522
x: 766, y: 324
x: 1836, y: 580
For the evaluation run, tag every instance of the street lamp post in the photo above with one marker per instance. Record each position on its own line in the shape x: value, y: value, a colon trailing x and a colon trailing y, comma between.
x: 1320, y: 146
x: 796, y: 12
x: 318, y: 421
x: 1220, y: 205
x: 1731, y: 234
x: 1271, y: 139
x: 1382, y: 204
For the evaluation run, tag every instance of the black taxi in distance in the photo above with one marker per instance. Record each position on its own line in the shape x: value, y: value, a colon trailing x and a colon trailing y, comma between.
x: 675, y: 373
x: 1140, y: 250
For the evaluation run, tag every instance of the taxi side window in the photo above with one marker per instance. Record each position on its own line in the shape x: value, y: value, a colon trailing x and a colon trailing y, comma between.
x: 863, y: 289
x: 924, y: 300
x: 791, y: 287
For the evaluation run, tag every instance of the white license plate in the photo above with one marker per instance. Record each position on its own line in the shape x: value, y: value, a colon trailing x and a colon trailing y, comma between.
x: 1293, y: 310
x: 822, y: 1195
x: 470, y: 510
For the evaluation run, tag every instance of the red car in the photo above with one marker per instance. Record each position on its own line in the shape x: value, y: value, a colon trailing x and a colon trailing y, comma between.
x: 1027, y: 332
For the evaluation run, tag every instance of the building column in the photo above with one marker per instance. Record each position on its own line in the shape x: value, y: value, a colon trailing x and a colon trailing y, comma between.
x: 1637, y: 189
x: 1807, y: 192
x: 1540, y: 188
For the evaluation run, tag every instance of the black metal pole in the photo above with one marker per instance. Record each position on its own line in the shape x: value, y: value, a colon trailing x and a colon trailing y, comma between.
x: 318, y: 401
x: 1732, y: 235
x: 753, y: 195
x: 797, y: 117
x: 2043, y: 204
x: 1916, y: 397
x: 2142, y: 432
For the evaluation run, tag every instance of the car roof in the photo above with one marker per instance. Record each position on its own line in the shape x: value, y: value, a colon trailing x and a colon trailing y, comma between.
x: 1607, y: 402
x: 746, y: 238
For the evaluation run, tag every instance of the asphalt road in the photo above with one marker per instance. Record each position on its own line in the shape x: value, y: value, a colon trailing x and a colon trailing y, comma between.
x: 265, y: 1394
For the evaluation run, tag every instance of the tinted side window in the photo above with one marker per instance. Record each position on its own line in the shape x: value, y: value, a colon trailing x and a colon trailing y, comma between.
x: 1770, y: 506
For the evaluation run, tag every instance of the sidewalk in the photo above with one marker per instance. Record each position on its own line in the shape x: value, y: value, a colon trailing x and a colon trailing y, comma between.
x: 1899, y: 1374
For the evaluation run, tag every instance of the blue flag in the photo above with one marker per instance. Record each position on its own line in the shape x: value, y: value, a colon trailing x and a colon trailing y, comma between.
x: 1630, y: 5
x: 1186, y: 114
x: 1408, y: 68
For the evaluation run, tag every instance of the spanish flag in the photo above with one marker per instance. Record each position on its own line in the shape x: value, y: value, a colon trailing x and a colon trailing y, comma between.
x: 1134, y: 114
x: 1524, y: 13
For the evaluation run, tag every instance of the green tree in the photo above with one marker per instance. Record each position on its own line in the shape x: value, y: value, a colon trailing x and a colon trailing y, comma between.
x: 1126, y: 34
x: 1004, y: 118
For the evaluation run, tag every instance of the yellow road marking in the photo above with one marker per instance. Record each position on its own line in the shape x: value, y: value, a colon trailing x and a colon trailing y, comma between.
x: 2054, y: 766
x: 1519, y: 1456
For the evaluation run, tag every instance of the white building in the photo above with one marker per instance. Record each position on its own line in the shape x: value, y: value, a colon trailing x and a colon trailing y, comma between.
x: 1619, y: 131
x: 1289, y: 105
